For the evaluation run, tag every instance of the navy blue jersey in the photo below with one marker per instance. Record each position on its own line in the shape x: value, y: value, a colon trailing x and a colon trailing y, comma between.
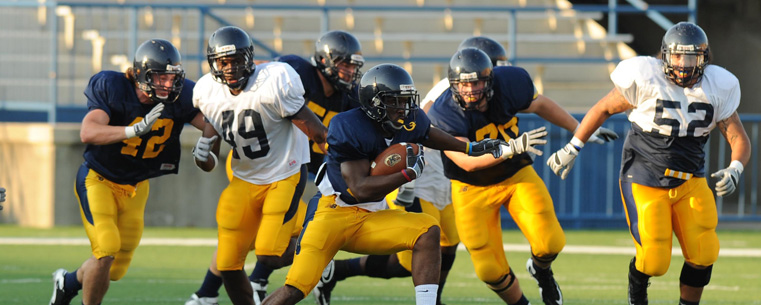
x: 352, y: 135
x: 136, y: 159
x: 513, y: 92
x: 324, y: 107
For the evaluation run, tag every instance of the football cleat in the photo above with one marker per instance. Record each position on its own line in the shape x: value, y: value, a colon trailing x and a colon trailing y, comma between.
x: 548, y: 287
x: 60, y: 296
x: 196, y: 300
x: 260, y: 290
x: 321, y: 292
x: 637, y: 287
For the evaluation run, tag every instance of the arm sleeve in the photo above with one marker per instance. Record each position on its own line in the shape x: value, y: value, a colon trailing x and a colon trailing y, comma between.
x: 624, y: 78
x: 97, y: 94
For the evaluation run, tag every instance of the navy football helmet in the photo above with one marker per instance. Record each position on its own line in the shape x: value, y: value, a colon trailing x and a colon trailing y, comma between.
x: 493, y: 49
x: 466, y: 66
x: 154, y: 58
x: 232, y: 42
x: 685, y: 53
x: 388, y: 87
x: 337, y: 47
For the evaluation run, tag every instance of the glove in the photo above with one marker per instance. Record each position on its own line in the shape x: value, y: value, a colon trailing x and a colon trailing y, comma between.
x: 145, y: 125
x: 406, y: 195
x: 416, y: 163
x: 728, y: 178
x: 483, y: 147
x: 203, y: 148
x: 524, y: 143
x: 603, y: 135
x: 562, y: 160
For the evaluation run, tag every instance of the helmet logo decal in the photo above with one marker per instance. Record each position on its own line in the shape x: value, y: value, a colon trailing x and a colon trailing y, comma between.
x: 357, y: 59
x: 407, y: 89
x: 468, y: 76
x: 230, y: 48
x: 173, y: 68
x: 392, y: 160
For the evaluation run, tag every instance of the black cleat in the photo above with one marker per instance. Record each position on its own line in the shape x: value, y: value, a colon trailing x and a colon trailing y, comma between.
x: 321, y: 292
x: 638, y: 283
x: 548, y: 287
x: 60, y: 296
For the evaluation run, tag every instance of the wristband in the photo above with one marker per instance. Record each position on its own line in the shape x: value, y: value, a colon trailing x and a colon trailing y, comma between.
x: 129, y: 131
x: 578, y: 144
x: 404, y: 172
x: 737, y: 165
x: 468, y: 148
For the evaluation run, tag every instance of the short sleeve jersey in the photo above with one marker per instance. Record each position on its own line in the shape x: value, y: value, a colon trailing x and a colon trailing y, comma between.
x: 513, y: 92
x: 266, y: 146
x: 324, y: 107
x: 352, y: 135
x: 153, y: 154
x: 670, y: 124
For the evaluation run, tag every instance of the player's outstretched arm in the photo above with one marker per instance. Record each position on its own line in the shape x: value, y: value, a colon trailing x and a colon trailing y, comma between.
x: 563, y: 160
x: 310, y: 124
x: 733, y: 131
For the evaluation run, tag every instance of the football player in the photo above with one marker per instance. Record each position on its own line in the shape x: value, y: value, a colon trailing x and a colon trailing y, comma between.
x: 429, y: 194
x: 329, y: 88
x: 351, y: 214
x: 260, y: 112
x: 132, y: 132
x: 482, y: 102
x: 673, y: 103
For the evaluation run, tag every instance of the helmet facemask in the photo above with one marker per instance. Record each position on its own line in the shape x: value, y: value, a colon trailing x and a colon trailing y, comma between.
x: 388, y: 104
x: 684, y: 64
x: 231, y: 68
x: 154, y: 84
x: 472, y: 99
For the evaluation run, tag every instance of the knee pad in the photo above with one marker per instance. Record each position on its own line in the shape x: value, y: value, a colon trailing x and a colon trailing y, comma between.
x: 695, y: 277
x: 545, y: 259
x: 503, y: 284
x: 447, y: 260
x: 378, y: 266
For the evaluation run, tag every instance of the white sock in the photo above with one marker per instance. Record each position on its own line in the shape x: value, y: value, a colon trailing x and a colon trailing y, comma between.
x: 426, y: 294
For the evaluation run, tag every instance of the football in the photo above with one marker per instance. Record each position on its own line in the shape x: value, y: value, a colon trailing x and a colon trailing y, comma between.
x: 393, y: 159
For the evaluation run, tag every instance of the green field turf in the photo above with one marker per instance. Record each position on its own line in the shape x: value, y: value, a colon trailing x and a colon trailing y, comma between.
x: 169, y: 274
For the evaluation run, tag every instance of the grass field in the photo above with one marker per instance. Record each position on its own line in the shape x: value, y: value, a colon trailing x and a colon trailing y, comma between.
x: 168, y: 274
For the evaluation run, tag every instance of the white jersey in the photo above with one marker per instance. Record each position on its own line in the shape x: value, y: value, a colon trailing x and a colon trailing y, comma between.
x: 670, y: 124
x: 663, y: 107
x: 432, y: 185
x: 267, y: 147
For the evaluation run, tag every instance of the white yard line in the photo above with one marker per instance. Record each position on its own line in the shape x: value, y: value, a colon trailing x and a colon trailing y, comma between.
x: 211, y: 242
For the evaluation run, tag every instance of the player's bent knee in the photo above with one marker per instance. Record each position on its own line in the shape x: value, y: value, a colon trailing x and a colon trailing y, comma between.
x: 695, y: 277
x: 504, y: 283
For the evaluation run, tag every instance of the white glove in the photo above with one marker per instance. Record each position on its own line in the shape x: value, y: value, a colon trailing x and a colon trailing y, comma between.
x: 145, y: 125
x: 603, y: 135
x: 524, y: 143
x: 562, y: 160
x: 406, y: 195
x: 728, y: 178
x: 203, y: 148
x: 416, y: 163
